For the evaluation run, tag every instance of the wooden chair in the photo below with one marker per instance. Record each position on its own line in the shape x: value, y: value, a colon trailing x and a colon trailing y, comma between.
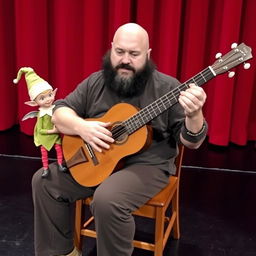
x: 166, y: 221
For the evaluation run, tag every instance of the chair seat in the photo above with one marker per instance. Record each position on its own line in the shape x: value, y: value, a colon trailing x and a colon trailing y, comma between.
x: 162, y: 199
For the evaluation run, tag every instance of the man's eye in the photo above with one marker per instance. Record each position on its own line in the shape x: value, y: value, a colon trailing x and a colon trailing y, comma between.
x: 119, y: 52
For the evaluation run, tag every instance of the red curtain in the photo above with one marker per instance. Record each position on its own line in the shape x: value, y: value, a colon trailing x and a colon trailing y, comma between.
x: 64, y: 41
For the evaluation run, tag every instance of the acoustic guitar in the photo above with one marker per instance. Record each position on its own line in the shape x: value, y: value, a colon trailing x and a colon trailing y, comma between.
x: 129, y: 125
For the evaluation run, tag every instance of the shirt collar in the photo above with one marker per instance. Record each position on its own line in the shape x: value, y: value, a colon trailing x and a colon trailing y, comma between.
x: 46, y: 111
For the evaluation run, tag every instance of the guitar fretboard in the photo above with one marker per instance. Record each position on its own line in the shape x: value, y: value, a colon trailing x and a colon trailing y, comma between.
x: 157, y: 107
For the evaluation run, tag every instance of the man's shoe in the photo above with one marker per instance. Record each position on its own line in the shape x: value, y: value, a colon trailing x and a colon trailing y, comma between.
x: 45, y: 173
x: 75, y: 252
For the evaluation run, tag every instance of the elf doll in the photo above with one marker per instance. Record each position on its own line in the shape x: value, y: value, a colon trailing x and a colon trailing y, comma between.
x: 46, y: 134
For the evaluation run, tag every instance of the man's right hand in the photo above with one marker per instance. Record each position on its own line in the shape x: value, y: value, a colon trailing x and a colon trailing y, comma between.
x: 96, y: 134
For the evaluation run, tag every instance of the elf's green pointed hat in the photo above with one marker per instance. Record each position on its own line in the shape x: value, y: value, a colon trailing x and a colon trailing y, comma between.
x: 35, y: 84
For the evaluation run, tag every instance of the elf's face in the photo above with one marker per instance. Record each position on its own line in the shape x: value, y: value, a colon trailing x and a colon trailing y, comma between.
x: 45, y: 99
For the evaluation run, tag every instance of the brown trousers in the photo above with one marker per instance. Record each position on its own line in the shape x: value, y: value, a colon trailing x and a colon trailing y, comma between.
x: 114, y: 201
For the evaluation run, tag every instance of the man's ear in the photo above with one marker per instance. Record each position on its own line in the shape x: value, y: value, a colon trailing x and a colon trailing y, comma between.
x: 31, y: 103
x: 149, y: 51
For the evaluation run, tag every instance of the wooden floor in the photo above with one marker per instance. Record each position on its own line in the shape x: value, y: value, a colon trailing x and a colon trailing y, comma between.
x: 217, y: 201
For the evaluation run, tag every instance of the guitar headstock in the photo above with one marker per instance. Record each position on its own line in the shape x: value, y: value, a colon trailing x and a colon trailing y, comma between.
x: 239, y: 54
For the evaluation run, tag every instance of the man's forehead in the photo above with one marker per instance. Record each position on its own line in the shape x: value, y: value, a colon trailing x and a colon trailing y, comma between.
x: 130, y: 41
x: 127, y: 47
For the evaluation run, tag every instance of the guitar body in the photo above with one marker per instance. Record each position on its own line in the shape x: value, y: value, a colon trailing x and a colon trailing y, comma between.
x: 91, y: 172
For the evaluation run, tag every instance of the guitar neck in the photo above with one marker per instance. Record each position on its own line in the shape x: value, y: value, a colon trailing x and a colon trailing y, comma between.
x: 159, y: 106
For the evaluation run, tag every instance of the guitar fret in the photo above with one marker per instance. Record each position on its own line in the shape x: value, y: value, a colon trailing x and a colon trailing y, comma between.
x: 161, y: 105
x: 150, y: 113
x: 174, y: 96
x: 166, y: 100
x: 203, y: 77
x: 155, y: 110
x: 194, y: 81
x: 199, y: 79
x: 158, y: 107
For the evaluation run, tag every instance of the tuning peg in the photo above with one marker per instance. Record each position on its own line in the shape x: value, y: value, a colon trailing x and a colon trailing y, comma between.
x: 233, y: 46
x: 247, y: 65
x: 231, y: 74
x: 218, y: 55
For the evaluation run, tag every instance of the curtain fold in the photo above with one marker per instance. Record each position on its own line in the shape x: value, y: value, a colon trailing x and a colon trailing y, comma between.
x: 8, y: 95
x: 65, y: 40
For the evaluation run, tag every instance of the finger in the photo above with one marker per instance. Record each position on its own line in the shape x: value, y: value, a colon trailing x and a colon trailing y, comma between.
x: 195, y: 96
x: 187, y: 106
x: 103, y: 129
x: 100, y: 143
x: 191, y: 91
x: 193, y: 85
x: 94, y: 146
x: 197, y: 91
x: 189, y: 100
x: 104, y: 137
x: 106, y: 124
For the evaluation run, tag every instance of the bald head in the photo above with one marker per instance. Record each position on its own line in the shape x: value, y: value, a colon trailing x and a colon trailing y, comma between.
x: 132, y: 33
x: 130, y: 47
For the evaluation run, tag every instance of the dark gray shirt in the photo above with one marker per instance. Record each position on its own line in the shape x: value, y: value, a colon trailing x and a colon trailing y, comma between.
x: 91, y: 99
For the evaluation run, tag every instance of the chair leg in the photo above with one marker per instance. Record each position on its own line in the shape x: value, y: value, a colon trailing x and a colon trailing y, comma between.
x: 175, y: 207
x: 159, y: 232
x: 78, y: 221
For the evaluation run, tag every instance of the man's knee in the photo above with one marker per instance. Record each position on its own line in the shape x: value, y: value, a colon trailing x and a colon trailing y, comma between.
x: 108, y: 203
x: 103, y: 202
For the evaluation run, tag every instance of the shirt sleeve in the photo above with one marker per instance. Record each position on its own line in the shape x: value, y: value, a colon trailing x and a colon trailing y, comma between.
x: 76, y: 100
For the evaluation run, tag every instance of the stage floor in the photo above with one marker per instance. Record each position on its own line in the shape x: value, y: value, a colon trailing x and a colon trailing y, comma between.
x: 217, y: 201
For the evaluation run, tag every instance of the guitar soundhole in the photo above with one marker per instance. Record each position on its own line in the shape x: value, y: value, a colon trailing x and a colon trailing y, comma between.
x: 119, y: 133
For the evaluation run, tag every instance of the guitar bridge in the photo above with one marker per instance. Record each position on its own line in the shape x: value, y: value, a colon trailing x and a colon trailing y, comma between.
x: 92, y: 154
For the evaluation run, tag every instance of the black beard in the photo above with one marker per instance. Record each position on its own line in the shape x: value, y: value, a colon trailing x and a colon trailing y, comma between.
x: 126, y: 87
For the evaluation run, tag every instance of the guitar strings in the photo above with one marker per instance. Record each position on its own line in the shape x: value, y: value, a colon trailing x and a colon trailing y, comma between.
x: 118, y: 131
x: 159, y: 106
x: 165, y: 101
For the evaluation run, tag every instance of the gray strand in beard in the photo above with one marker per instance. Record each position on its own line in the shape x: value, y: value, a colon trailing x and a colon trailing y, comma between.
x: 124, y: 85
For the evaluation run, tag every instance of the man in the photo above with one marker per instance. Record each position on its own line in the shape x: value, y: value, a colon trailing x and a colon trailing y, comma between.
x: 128, y: 76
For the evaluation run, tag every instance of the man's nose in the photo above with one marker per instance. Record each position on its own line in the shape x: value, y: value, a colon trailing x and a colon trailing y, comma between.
x: 126, y: 58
